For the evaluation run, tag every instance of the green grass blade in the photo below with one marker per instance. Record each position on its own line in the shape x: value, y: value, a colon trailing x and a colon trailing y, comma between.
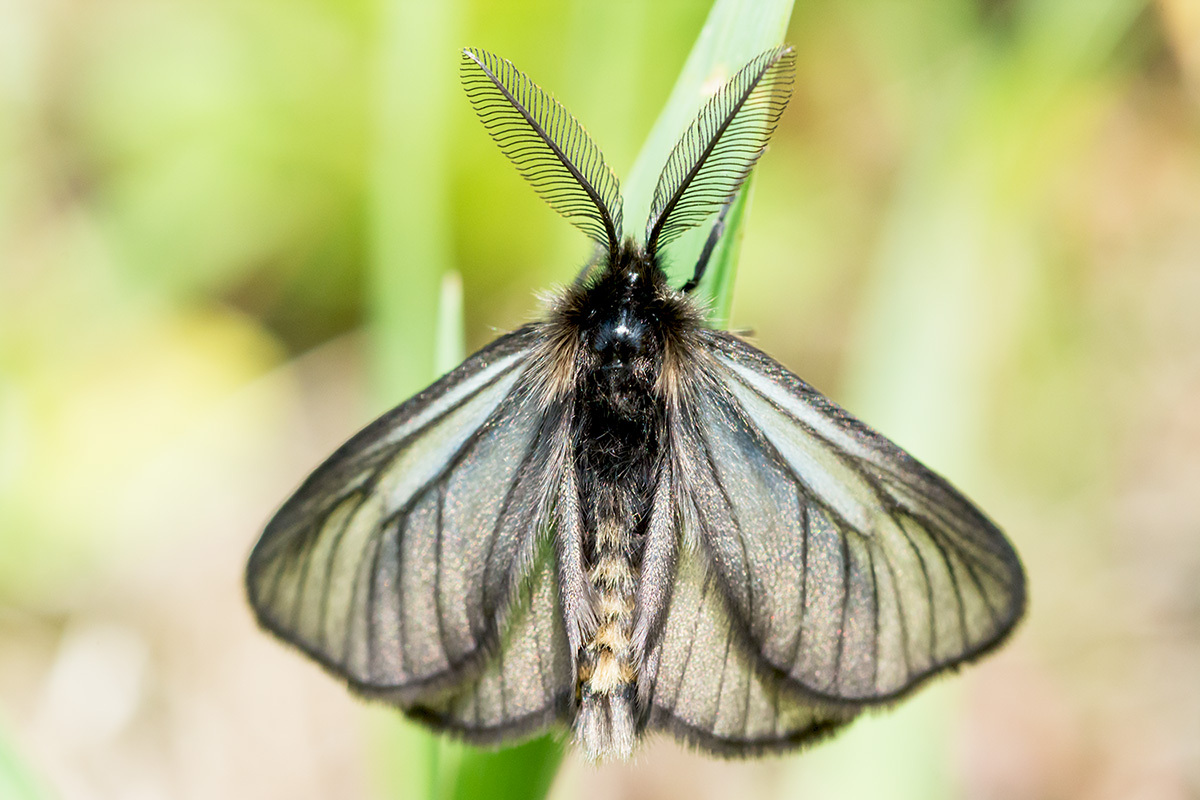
x: 410, y: 230
x: 413, y: 343
x: 450, y: 348
x: 735, y: 31
x: 524, y: 772
x: 409, y: 211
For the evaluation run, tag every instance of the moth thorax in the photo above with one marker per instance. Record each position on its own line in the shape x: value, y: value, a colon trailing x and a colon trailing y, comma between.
x: 621, y: 338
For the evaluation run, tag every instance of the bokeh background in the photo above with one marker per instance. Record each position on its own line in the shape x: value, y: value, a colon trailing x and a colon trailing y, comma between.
x: 224, y: 226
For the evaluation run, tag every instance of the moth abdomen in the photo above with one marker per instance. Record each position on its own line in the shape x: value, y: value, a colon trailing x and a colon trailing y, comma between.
x: 607, y: 679
x: 619, y: 437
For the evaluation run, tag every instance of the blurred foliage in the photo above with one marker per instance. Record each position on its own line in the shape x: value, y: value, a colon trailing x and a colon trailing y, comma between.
x: 978, y: 226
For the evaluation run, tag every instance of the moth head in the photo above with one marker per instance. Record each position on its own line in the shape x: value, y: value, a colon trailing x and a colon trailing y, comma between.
x: 620, y: 312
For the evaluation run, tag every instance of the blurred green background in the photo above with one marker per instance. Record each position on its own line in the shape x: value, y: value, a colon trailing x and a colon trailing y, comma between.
x: 978, y: 228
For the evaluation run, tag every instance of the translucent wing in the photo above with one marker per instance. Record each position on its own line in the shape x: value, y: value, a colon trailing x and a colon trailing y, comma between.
x: 547, y: 145
x: 711, y: 690
x: 526, y: 683
x: 395, y: 562
x: 719, y: 148
x: 854, y: 570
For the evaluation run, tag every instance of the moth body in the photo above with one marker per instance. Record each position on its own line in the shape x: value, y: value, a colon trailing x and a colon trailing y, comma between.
x: 622, y: 323
x: 617, y: 520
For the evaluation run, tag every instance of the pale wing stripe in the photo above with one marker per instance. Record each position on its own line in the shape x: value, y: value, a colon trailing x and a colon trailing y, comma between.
x: 453, y: 397
x: 322, y: 551
x: 417, y: 467
x: 844, y: 436
x: 903, y: 646
x: 830, y: 479
x: 813, y: 417
x: 324, y: 634
x: 341, y: 591
x: 387, y: 621
x: 358, y: 632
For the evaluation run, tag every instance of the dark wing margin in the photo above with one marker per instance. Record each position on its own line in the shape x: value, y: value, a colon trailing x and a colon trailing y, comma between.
x: 717, y: 151
x: 711, y: 691
x: 547, y: 145
x: 526, y: 682
x: 394, y: 563
x: 855, y: 571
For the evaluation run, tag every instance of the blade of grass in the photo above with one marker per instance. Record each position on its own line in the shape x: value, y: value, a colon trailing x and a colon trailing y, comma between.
x: 523, y: 772
x: 409, y: 225
x: 926, y: 346
x: 734, y: 31
x: 409, y: 205
x: 450, y: 347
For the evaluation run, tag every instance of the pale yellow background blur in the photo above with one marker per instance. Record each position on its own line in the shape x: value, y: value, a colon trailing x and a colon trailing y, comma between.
x: 978, y: 228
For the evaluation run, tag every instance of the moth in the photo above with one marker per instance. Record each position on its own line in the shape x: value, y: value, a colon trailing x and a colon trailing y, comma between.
x: 620, y: 520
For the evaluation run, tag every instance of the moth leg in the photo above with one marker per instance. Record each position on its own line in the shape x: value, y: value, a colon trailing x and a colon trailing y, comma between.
x: 710, y: 244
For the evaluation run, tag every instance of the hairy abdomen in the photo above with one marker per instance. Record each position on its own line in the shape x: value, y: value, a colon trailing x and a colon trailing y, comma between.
x: 607, y: 678
x: 618, y: 462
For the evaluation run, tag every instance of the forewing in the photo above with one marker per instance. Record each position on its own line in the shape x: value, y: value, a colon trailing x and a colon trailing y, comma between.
x: 393, y: 563
x: 711, y: 690
x: 526, y: 682
x: 855, y: 570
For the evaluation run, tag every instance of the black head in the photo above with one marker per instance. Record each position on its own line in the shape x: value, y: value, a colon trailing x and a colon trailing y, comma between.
x: 622, y: 319
x: 620, y: 315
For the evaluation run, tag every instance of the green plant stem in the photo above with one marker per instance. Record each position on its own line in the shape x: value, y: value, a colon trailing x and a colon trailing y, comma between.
x: 735, y: 31
x: 409, y: 225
